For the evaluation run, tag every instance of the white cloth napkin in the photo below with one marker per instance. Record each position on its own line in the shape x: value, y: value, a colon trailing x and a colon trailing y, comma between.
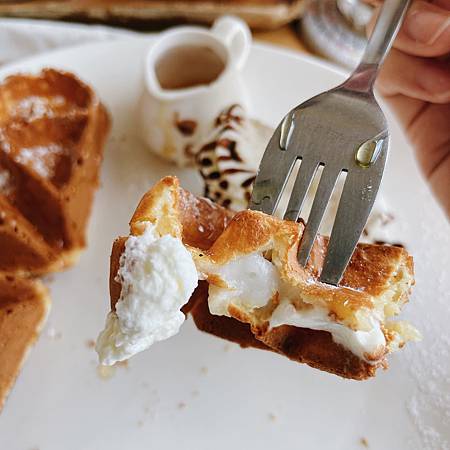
x: 20, y: 38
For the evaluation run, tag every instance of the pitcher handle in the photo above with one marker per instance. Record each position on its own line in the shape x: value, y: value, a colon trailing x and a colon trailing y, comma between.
x: 235, y: 34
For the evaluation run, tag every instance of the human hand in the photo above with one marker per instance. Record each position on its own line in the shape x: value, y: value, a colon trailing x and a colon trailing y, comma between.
x: 415, y: 82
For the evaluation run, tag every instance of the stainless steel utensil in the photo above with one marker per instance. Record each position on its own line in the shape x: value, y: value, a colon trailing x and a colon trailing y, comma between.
x: 343, y: 130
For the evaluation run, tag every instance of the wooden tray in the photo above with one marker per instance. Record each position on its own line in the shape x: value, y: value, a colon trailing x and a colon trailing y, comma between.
x: 156, y: 14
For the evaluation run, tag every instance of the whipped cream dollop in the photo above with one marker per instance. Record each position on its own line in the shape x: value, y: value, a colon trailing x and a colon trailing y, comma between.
x: 158, y: 276
x: 251, y: 281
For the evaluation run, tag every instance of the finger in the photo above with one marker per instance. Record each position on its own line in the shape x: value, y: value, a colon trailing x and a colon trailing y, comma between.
x: 425, y: 125
x: 427, y: 128
x: 430, y: 136
x: 439, y: 183
x: 442, y: 3
x: 429, y: 133
x: 419, y: 78
x: 426, y: 30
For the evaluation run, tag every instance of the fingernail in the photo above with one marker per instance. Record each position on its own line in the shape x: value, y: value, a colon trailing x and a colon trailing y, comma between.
x: 426, y: 26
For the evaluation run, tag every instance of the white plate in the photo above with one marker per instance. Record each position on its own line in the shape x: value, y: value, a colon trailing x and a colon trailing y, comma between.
x: 199, y: 392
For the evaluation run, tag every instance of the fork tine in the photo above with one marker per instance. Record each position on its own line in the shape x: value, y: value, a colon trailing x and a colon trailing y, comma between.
x: 356, y: 202
x: 325, y: 189
x: 274, y: 170
x: 305, y: 176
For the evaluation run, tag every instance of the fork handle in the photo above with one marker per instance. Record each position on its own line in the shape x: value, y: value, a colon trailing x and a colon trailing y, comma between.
x: 386, y: 27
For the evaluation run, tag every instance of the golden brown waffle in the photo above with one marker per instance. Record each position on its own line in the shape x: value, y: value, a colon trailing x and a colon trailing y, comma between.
x: 150, y: 14
x: 378, y: 276
x: 24, y: 305
x: 52, y: 132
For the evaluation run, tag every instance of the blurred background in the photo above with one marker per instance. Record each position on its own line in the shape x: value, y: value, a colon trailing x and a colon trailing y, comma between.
x: 333, y: 29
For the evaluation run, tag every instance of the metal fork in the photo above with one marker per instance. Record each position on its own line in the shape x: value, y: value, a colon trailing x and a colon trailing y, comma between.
x: 343, y: 130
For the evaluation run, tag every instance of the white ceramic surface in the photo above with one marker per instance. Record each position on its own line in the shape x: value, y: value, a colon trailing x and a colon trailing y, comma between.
x: 198, y: 392
x: 162, y: 109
